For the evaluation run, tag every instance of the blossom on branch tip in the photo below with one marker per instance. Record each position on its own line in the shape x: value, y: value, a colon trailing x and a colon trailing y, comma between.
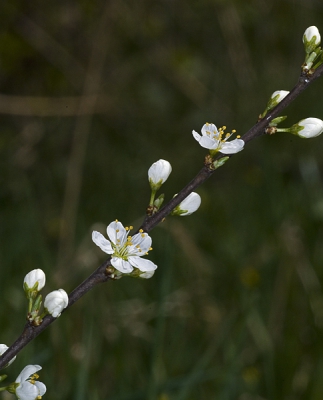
x: 309, y: 128
x: 216, y: 140
x: 55, y: 302
x: 26, y: 386
x: 188, y: 205
x: 312, y: 34
x: 158, y: 173
x: 33, y: 278
x: 279, y: 95
x: 4, y: 348
x: 125, y: 250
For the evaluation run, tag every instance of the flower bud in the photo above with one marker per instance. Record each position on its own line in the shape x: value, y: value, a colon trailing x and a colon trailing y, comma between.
x: 4, y: 348
x: 281, y: 95
x: 55, y: 302
x: 188, y: 205
x: 158, y: 173
x: 309, y: 128
x: 312, y: 33
x: 33, y: 278
x: 146, y: 275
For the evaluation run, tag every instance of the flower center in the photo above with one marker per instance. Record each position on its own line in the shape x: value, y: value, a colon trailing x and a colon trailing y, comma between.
x: 122, y: 248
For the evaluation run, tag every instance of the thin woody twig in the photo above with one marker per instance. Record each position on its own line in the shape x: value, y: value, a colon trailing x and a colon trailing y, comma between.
x: 100, y: 275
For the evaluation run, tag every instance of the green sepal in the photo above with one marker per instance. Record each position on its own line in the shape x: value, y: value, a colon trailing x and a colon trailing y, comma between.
x: 277, y: 120
x: 3, y: 377
x: 159, y: 201
x: 220, y: 162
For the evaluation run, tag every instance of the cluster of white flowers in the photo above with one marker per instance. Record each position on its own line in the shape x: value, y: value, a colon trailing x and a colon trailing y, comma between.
x: 26, y: 386
x: 127, y: 251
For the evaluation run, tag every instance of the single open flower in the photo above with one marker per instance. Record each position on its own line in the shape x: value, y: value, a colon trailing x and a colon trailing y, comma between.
x: 36, y: 276
x: 4, y: 348
x: 309, y: 127
x: 216, y: 140
x: 26, y: 385
x: 188, y: 205
x: 312, y: 33
x: 158, y: 173
x: 126, y: 251
x: 55, y: 302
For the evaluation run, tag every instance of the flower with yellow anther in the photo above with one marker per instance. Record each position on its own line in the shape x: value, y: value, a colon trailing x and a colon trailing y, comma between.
x: 26, y: 386
x: 216, y: 140
x: 126, y: 251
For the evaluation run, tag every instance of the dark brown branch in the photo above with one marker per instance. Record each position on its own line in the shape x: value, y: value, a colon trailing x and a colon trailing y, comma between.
x: 100, y: 276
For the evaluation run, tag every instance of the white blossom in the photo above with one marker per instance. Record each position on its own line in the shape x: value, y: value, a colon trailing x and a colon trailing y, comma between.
x: 158, y: 173
x: 4, y: 348
x: 55, y: 302
x: 311, y: 127
x: 310, y: 33
x: 188, y: 205
x: 216, y: 140
x: 28, y: 388
x: 126, y: 251
x: 33, y: 277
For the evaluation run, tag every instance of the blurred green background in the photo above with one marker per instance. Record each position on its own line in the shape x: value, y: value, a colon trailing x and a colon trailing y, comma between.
x: 94, y: 92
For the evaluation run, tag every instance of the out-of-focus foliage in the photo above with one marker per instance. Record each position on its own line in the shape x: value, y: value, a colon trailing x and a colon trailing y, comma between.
x: 92, y: 93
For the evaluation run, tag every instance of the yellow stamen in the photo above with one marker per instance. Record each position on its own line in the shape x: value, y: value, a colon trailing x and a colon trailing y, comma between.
x: 140, y: 231
x: 131, y: 227
x: 238, y: 137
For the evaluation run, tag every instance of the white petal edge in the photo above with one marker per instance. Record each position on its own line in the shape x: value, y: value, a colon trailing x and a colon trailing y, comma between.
x: 27, y: 371
x: 121, y: 265
x: 232, y: 147
x: 102, y: 242
x: 117, y: 233
x: 142, y: 264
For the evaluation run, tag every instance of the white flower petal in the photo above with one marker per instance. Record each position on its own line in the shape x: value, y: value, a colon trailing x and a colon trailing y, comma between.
x: 147, y: 275
x: 232, y: 147
x: 281, y: 93
x: 102, y: 242
x: 4, y: 348
x: 142, y: 264
x: 41, y: 388
x: 117, y: 233
x: 55, y: 302
x: 27, y: 391
x: 190, y: 204
x: 36, y: 275
x: 209, y: 128
x: 310, y: 33
x: 196, y: 135
x: 312, y: 127
x: 121, y: 265
x: 143, y: 240
x: 26, y: 372
x: 208, y: 143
